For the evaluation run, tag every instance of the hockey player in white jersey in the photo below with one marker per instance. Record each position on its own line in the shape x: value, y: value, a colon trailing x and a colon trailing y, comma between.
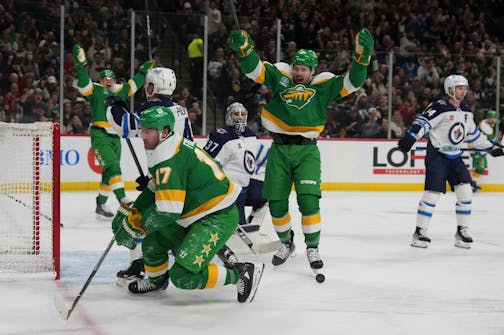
x: 448, y: 123
x: 160, y: 83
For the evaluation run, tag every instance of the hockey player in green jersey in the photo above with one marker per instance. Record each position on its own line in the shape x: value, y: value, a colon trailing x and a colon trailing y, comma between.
x: 188, y: 207
x: 487, y: 128
x: 295, y: 117
x: 104, y: 141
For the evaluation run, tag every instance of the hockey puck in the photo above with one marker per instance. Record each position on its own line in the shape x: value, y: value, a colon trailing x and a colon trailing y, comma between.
x: 320, y: 278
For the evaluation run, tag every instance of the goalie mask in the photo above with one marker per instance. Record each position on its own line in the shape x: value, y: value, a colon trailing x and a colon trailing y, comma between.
x: 160, y: 80
x: 125, y: 124
x: 236, y: 116
x: 453, y: 81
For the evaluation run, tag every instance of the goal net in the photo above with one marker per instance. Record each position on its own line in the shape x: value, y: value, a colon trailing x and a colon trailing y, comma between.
x: 29, y: 200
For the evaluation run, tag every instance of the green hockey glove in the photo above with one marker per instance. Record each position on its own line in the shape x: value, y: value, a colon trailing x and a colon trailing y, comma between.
x: 127, y: 226
x: 79, y: 56
x: 364, y: 45
x: 145, y: 67
x: 241, y: 43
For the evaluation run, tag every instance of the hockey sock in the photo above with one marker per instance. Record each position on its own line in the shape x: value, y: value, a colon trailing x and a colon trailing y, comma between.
x: 464, y: 202
x: 309, y: 208
x: 426, y: 208
x: 279, y: 210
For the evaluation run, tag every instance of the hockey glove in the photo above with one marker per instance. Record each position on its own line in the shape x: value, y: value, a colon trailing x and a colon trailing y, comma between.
x: 127, y: 226
x: 79, y: 56
x: 145, y: 67
x: 497, y: 152
x: 406, y: 142
x: 364, y: 45
x: 241, y: 43
x: 142, y: 182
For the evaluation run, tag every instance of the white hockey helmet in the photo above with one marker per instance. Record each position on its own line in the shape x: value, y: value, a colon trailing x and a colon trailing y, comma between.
x: 452, y: 81
x: 163, y: 81
x: 233, y: 119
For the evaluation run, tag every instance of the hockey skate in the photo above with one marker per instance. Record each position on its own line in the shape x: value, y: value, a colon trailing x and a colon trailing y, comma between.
x: 420, y: 238
x: 462, y: 238
x: 314, y: 258
x: 250, y: 276
x: 103, y: 212
x: 227, y: 256
x: 286, y: 250
x: 133, y: 272
x: 144, y: 285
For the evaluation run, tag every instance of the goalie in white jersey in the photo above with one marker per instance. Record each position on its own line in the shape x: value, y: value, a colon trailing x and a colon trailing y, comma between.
x: 238, y: 150
x: 449, y: 123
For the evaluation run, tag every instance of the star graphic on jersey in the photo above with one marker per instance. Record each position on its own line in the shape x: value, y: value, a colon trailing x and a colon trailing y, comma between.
x: 214, y: 238
x: 206, y: 249
x: 221, y: 131
x: 198, y: 260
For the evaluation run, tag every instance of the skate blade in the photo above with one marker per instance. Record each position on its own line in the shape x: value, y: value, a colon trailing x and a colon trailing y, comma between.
x: 258, y: 272
x: 462, y: 244
x: 100, y: 217
x: 124, y: 282
x: 419, y: 244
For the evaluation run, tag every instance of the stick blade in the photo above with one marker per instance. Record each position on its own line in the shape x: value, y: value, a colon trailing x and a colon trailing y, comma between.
x: 61, y: 307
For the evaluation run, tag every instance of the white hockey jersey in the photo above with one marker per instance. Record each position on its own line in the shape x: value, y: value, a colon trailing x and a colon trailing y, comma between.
x: 449, y: 127
x: 182, y: 124
x: 236, y: 154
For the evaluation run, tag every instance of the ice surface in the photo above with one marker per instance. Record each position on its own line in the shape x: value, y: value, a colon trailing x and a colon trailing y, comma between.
x: 375, y: 282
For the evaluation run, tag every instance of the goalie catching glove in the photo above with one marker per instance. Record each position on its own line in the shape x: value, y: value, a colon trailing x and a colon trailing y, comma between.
x: 241, y: 43
x: 364, y: 45
x: 79, y: 56
x: 127, y: 226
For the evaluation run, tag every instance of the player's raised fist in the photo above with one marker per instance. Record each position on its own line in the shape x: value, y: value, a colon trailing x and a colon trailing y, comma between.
x: 364, y: 46
x: 79, y: 56
x: 241, y: 43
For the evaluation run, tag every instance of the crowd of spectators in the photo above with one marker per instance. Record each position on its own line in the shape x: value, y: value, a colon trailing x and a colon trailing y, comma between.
x: 428, y: 40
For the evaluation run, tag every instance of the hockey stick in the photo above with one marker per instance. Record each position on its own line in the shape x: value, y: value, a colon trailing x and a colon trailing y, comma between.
x: 148, y: 29
x: 448, y: 149
x: 61, y: 307
x: 233, y: 11
x: 256, y: 247
x: 45, y: 216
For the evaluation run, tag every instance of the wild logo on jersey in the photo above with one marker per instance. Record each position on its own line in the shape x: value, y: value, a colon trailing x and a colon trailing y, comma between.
x: 297, y: 96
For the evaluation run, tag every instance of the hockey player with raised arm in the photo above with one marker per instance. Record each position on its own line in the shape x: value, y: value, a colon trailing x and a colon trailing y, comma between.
x: 105, y: 142
x: 448, y: 123
x: 188, y: 207
x: 295, y: 117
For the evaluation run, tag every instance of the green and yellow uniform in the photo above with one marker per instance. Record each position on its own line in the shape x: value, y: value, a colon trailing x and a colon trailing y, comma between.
x: 295, y: 117
x: 105, y: 142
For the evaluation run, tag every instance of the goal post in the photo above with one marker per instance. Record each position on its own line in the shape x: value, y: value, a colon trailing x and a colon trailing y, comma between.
x: 30, y: 200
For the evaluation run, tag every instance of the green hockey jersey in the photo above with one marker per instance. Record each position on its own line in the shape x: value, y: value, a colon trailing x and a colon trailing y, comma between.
x: 187, y: 181
x: 96, y: 94
x: 297, y: 109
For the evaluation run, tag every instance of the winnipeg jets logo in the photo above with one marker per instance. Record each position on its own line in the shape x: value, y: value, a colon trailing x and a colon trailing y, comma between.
x: 249, y: 162
x: 297, y: 96
x: 457, y: 133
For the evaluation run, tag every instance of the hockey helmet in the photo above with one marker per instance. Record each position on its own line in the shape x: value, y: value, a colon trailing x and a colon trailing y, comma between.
x: 157, y: 117
x: 453, y: 81
x: 107, y: 74
x: 306, y: 57
x: 163, y: 81
x: 236, y: 116
x: 491, y: 113
x: 125, y: 124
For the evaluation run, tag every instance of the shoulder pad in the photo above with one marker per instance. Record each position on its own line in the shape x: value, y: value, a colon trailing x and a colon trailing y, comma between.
x: 248, y: 133
x: 284, y: 68
x: 321, y: 77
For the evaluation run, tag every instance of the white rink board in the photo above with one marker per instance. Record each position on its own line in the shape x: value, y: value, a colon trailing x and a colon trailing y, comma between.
x: 343, y: 161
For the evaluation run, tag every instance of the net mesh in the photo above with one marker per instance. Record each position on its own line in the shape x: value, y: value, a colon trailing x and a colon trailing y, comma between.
x: 26, y: 194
